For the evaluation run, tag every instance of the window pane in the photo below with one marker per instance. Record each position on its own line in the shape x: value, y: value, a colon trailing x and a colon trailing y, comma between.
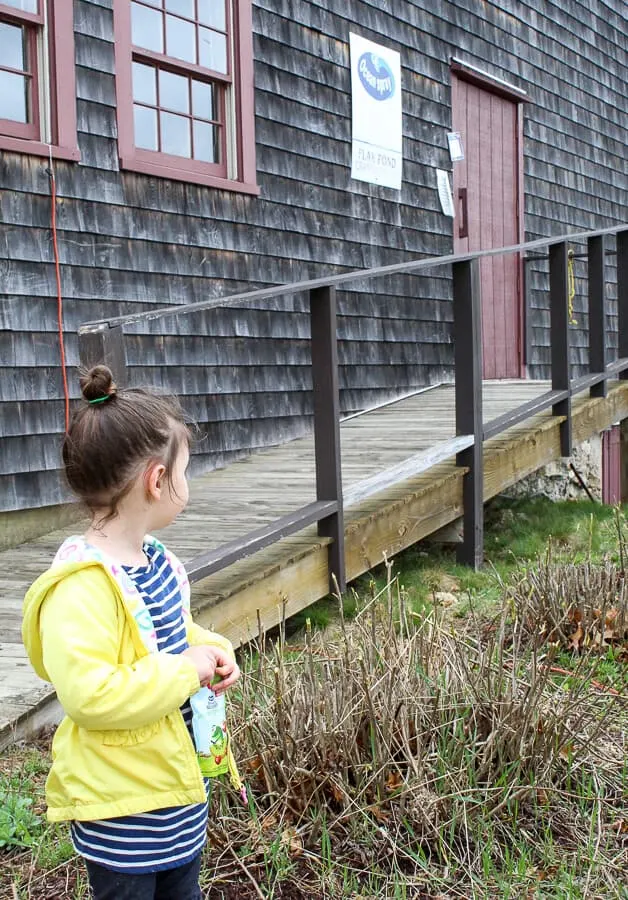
x: 174, y: 92
x: 175, y: 135
x: 204, y: 100
x: 212, y: 12
x: 144, y: 88
x: 12, y: 46
x: 30, y: 6
x: 212, y: 48
x: 206, y: 142
x: 158, y: 3
x: 145, y: 128
x: 182, y: 7
x: 13, y: 97
x: 180, y: 39
x: 147, y: 28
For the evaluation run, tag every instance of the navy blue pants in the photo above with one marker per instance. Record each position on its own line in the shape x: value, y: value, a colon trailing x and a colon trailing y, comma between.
x: 173, y: 884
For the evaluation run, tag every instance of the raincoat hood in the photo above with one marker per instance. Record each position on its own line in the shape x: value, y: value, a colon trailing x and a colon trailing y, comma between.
x: 37, y: 593
x: 75, y: 555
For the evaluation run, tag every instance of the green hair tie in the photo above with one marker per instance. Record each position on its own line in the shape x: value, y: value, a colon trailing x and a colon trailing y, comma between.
x: 100, y: 399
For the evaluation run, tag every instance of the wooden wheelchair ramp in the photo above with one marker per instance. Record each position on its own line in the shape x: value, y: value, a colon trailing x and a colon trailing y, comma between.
x: 400, y: 484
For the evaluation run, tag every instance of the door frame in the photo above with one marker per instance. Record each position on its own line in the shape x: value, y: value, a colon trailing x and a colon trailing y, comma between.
x: 467, y: 72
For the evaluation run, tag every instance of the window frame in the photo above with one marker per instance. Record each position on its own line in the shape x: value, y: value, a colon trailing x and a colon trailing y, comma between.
x: 58, y: 33
x: 239, y: 76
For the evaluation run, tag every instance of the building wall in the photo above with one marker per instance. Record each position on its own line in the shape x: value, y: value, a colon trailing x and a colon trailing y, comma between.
x: 129, y: 242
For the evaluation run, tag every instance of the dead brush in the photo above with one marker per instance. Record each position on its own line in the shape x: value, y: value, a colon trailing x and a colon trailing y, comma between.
x: 396, y: 742
x: 574, y: 605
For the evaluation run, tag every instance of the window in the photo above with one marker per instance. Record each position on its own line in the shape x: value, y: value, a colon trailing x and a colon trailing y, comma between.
x: 37, y: 94
x: 184, y: 74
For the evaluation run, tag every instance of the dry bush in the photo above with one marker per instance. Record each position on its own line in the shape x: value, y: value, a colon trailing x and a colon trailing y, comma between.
x: 398, y: 746
x: 575, y: 605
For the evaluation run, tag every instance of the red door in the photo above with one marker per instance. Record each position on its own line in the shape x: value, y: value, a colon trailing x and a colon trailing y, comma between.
x: 486, y: 193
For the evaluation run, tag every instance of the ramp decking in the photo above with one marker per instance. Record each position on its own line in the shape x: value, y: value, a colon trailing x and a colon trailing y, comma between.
x: 400, y: 484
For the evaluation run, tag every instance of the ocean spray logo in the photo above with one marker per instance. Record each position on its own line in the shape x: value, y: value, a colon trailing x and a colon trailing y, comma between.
x: 376, y: 76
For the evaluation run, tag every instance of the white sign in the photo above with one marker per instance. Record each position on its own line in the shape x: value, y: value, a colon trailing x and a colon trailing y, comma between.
x: 376, y: 154
x: 444, y: 193
x: 455, y: 146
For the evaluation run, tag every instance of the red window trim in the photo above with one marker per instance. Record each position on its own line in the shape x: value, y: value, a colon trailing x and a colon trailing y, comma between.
x: 26, y: 131
x: 27, y: 139
x: 20, y: 16
x: 177, y: 168
x: 33, y: 23
x: 184, y: 164
x: 169, y: 64
x: 38, y: 148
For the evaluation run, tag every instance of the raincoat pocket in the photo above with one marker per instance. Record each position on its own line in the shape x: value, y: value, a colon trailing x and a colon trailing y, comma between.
x: 128, y: 737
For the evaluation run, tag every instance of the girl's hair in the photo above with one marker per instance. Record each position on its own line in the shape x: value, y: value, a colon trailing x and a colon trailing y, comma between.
x: 114, y: 434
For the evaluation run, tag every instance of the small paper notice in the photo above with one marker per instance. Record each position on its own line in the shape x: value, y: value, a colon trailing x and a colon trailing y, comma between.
x: 444, y: 193
x: 455, y: 146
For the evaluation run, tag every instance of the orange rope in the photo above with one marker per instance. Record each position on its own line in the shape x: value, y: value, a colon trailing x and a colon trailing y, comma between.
x: 55, y: 247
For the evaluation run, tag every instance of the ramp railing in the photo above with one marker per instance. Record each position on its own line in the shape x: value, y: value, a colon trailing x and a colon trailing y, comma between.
x: 104, y: 341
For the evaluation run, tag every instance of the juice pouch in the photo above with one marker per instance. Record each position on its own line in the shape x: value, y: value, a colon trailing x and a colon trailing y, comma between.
x: 209, y: 724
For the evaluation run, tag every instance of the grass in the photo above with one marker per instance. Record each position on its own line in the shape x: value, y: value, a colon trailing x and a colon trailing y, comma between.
x: 44, y: 864
x: 397, y: 747
x: 516, y: 533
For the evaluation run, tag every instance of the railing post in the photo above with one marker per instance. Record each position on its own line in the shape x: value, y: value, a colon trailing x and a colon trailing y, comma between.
x: 559, y: 337
x: 468, y: 369
x: 597, y: 313
x: 622, y: 297
x: 104, y: 345
x: 622, y: 346
x: 327, y: 425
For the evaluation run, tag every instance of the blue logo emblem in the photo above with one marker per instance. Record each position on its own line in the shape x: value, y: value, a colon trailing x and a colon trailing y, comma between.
x: 376, y: 76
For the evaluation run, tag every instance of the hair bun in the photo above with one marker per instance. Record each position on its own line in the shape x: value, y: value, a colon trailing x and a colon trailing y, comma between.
x: 97, y: 382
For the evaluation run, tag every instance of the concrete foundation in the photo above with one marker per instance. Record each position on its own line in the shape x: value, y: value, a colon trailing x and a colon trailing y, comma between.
x: 558, y: 481
x: 27, y: 524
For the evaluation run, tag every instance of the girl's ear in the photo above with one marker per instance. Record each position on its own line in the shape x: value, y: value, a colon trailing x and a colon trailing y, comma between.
x: 154, y: 479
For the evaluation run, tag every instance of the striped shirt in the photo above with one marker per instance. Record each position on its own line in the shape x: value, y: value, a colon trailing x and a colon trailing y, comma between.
x: 163, y: 838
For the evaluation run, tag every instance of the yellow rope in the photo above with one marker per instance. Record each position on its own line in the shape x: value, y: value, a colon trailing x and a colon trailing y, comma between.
x: 571, y: 281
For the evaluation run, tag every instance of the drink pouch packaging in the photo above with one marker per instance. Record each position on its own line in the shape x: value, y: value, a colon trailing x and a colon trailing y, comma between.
x: 209, y: 725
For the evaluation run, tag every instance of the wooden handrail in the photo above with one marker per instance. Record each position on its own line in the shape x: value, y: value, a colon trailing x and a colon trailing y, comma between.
x: 298, y: 287
x: 214, y: 560
x: 104, y: 341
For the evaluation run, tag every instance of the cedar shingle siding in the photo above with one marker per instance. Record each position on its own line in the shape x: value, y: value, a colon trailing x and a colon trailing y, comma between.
x: 129, y: 242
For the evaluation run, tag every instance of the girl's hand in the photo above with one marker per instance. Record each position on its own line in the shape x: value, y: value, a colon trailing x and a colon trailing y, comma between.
x: 204, y: 658
x: 226, y: 667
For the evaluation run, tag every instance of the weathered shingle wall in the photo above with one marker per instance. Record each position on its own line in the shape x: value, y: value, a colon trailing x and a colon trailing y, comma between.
x: 129, y: 242
x: 575, y: 150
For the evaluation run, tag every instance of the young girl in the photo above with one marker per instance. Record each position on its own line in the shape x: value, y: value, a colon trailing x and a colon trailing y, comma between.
x: 109, y: 625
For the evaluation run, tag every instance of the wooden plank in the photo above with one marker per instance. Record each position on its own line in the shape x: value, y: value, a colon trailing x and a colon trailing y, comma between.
x: 399, y: 525
x: 507, y: 461
x: 594, y: 416
x: 285, y: 592
x: 19, y: 724
x: 414, y: 465
x: 228, y: 553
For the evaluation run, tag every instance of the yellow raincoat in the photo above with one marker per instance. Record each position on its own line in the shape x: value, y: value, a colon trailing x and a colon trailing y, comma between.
x: 123, y: 746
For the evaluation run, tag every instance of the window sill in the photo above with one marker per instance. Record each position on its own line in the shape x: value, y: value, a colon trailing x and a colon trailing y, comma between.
x: 144, y: 167
x: 37, y: 148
